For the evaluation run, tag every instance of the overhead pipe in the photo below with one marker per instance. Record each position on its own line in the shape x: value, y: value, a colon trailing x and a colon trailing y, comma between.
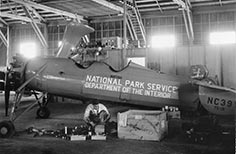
x: 186, y: 23
x: 190, y: 24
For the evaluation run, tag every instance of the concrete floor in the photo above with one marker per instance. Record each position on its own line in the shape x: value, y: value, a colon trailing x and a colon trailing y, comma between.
x: 70, y: 114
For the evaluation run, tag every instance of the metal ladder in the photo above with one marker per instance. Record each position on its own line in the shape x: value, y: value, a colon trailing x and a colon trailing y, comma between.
x: 135, y: 24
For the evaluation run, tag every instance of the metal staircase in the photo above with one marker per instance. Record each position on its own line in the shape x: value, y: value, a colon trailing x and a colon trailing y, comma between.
x: 135, y: 24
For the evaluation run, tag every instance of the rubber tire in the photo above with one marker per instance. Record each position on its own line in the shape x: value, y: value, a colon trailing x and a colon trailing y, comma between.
x: 9, y: 128
x: 43, y: 113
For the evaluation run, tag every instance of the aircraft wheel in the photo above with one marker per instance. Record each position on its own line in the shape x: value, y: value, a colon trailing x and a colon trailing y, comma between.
x: 43, y: 113
x: 7, y: 129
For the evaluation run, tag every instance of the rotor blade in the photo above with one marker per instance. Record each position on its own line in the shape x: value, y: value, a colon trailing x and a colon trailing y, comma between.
x: 2, y: 75
x: 7, y: 94
x: 2, y: 78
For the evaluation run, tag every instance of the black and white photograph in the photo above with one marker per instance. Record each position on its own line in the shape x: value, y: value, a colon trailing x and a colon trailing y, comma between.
x: 117, y: 76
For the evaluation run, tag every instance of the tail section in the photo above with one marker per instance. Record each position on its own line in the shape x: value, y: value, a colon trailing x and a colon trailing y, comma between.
x: 217, y: 100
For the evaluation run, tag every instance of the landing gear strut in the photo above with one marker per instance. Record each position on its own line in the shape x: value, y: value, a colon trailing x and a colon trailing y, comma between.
x: 43, y: 113
x: 7, y: 128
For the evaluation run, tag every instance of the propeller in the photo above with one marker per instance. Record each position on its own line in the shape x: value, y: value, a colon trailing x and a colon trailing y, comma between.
x: 7, y: 92
x: 12, y: 78
x: 5, y: 87
x: 10, y: 84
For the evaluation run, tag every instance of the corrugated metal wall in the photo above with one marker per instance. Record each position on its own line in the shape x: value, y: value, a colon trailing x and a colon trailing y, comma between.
x: 220, y: 61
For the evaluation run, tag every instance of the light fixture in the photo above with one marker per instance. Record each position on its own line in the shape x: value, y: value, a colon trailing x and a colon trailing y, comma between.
x: 28, y: 49
x: 218, y: 38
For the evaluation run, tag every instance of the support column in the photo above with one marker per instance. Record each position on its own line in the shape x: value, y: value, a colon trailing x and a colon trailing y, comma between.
x: 123, y: 53
x: 45, y: 33
x: 8, y: 50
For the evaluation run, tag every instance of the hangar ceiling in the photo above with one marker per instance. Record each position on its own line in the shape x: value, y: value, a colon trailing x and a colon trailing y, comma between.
x: 161, y: 5
x: 14, y: 11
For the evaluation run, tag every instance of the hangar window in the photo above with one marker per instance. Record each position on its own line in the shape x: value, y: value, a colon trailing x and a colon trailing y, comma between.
x: 59, y: 43
x: 137, y: 60
x: 28, y: 49
x: 217, y: 38
x: 163, y: 41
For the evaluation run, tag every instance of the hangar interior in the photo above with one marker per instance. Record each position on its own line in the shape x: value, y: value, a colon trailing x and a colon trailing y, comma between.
x: 191, y: 24
x: 167, y: 36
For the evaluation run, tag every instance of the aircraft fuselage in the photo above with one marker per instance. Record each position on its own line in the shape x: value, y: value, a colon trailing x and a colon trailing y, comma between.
x: 135, y: 85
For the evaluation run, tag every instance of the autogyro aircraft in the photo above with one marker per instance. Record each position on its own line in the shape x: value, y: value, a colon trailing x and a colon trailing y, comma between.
x: 133, y: 84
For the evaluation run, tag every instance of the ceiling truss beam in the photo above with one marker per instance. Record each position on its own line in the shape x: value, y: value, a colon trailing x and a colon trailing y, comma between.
x: 49, y: 9
x: 189, y: 3
x: 36, y: 13
x: 3, y: 21
x: 180, y: 3
x: 185, y: 7
x: 109, y: 5
x: 159, y: 6
x: 36, y: 28
x: 220, y: 2
x: 17, y: 17
x: 155, y: 5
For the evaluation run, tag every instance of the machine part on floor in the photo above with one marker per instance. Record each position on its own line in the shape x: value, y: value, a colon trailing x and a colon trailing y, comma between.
x: 98, y: 137
x: 7, y: 129
x: 77, y: 137
x: 99, y: 130
x: 76, y: 133
x: 111, y: 129
x: 60, y: 133
x: 198, y: 137
x: 203, y: 129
